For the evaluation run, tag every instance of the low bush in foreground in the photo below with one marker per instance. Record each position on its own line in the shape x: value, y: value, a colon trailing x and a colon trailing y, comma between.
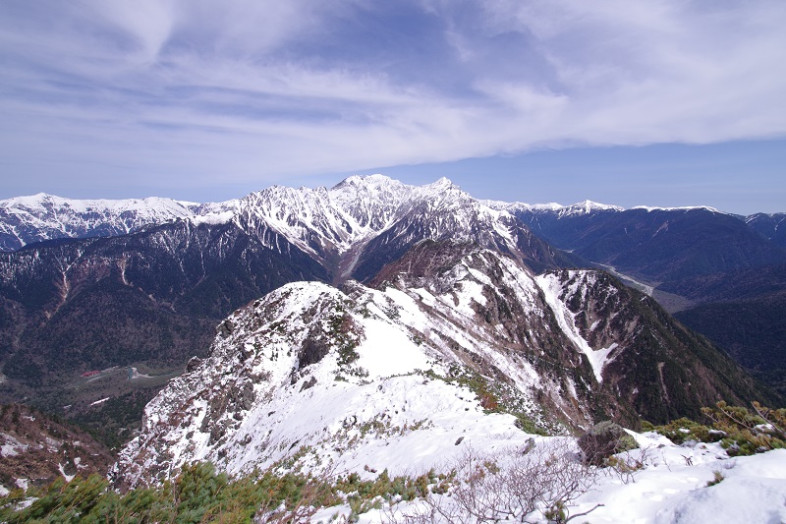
x: 539, y: 481
x: 198, y: 494
x: 740, y: 431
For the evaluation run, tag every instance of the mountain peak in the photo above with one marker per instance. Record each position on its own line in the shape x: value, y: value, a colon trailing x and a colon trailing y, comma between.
x: 28, y: 201
x: 365, y: 180
x: 588, y: 206
x: 443, y: 183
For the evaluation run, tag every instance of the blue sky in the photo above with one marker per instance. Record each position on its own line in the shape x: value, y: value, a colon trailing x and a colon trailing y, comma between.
x: 667, y: 102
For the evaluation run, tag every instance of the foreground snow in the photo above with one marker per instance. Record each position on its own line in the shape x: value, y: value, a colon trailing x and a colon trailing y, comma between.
x: 380, y: 412
x: 673, y: 486
x: 677, y: 484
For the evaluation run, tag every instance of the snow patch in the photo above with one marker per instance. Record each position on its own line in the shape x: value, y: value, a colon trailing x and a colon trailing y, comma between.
x: 552, y: 289
x: 11, y: 447
x: 61, y: 469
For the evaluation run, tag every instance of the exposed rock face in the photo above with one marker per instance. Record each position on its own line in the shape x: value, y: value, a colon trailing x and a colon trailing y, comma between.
x: 603, y: 440
x: 661, y: 369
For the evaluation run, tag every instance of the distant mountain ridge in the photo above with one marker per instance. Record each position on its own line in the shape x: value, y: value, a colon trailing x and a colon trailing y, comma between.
x: 330, y: 225
x: 41, y: 217
x: 344, y: 212
x: 658, y: 245
x: 770, y: 226
x: 721, y: 274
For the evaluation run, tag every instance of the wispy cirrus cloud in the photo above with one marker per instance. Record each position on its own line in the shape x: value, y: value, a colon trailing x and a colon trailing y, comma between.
x: 253, y: 91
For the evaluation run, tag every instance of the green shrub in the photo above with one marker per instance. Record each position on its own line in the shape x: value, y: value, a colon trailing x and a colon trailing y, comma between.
x: 684, y: 430
x: 739, y: 430
x: 200, y: 494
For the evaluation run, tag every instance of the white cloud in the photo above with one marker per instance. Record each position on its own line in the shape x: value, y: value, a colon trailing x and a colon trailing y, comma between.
x: 282, y: 87
x: 147, y: 23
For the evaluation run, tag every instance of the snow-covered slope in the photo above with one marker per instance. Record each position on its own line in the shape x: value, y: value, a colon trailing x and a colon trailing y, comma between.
x: 557, y: 294
x: 456, y: 344
x: 692, y: 483
x: 672, y: 484
x: 30, y: 219
x: 336, y: 225
x: 329, y: 379
x: 357, y: 377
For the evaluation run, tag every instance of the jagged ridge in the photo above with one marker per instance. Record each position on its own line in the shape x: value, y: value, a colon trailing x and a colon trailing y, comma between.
x: 455, y: 337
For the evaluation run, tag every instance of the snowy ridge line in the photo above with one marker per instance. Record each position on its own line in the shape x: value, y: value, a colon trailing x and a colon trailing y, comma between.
x: 26, y: 220
x: 319, y: 221
x: 356, y: 374
x: 377, y: 410
x: 322, y: 222
x: 586, y: 207
x: 361, y: 208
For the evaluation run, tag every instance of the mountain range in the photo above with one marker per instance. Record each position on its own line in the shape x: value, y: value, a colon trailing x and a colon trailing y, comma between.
x: 378, y: 294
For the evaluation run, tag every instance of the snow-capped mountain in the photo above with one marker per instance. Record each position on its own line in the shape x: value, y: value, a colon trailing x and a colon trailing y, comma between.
x: 329, y: 222
x: 456, y: 341
x: 153, y: 296
x: 310, y: 368
x: 359, y: 225
x: 332, y: 225
x: 31, y: 219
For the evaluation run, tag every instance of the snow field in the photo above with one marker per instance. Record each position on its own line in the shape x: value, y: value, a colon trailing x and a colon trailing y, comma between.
x: 674, y: 486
